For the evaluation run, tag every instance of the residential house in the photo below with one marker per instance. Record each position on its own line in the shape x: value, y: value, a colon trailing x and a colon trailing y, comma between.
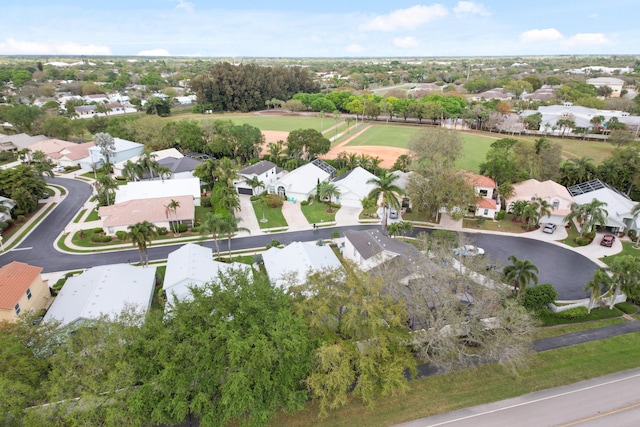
x: 72, y: 155
x: 581, y: 116
x: 266, y: 171
x: 157, y: 156
x: 370, y: 249
x: 616, y: 85
x: 19, y: 141
x: 487, y: 205
x: 51, y: 147
x: 97, y: 98
x: 545, y: 93
x: 301, y: 183
x: 193, y: 266
x: 119, y: 216
x: 354, y: 187
x: 181, y: 167
x: 555, y: 194
x: 124, y: 150
x: 619, y: 205
x: 157, y: 189
x: 497, y: 93
x: 22, y: 290
x: 104, y: 290
x: 290, y: 265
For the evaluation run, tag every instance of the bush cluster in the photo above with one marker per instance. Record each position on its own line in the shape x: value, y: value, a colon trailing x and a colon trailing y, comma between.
x: 98, y: 238
x: 274, y: 201
x: 121, y: 235
x: 162, y: 231
x: 539, y: 296
x: 573, y: 313
x: 304, y: 202
x: 582, y: 241
x: 181, y: 228
x: 501, y: 215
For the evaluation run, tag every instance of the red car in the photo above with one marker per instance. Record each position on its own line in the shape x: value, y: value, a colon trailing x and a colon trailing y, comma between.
x: 607, y: 240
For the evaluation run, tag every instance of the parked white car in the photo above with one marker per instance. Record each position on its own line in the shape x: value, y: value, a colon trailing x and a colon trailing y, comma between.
x: 468, y: 250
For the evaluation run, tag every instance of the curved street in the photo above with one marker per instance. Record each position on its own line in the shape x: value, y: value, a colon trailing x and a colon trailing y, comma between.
x: 567, y: 270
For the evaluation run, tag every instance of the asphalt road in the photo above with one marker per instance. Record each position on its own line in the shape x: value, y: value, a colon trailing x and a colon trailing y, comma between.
x: 610, y: 400
x: 567, y: 270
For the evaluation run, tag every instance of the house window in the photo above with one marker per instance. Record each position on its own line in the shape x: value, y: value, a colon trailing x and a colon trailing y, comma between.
x: 483, y: 193
x: 556, y: 204
x: 486, y: 212
x: 29, y: 293
x: 533, y: 198
x: 17, y: 308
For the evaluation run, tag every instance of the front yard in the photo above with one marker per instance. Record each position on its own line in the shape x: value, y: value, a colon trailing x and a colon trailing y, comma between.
x: 273, y: 216
x: 316, y: 212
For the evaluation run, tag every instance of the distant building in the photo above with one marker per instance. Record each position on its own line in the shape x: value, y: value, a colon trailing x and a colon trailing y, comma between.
x: 616, y: 85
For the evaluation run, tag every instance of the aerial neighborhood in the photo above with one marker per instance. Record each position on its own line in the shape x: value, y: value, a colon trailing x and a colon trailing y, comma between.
x: 240, y: 240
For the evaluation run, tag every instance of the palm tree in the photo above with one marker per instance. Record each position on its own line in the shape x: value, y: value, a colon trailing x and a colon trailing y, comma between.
x: 163, y: 172
x: 104, y: 187
x: 230, y: 226
x: 600, y: 279
x: 132, y: 171
x: 140, y: 235
x: 636, y: 213
x: 405, y: 227
x: 213, y: 224
x: 394, y: 229
x: 387, y: 193
x: 520, y: 273
x: 226, y: 171
x: 173, y: 207
x: 590, y: 214
x: 328, y: 190
x: 255, y: 183
x: 147, y: 162
x: 544, y: 208
x: 531, y: 215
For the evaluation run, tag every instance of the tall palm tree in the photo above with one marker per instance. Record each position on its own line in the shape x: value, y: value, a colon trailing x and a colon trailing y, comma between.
x: 226, y: 171
x: 173, y: 207
x: 147, y: 162
x: 104, y: 187
x: 636, y: 214
x: 517, y: 208
x: 601, y: 279
x: 132, y: 171
x: 140, y: 235
x: 255, y: 183
x: 387, y: 193
x: 213, y: 224
x: 328, y: 190
x: 544, y: 208
x: 520, y: 273
x: 590, y: 214
x: 531, y: 214
x: 163, y: 172
x: 230, y: 226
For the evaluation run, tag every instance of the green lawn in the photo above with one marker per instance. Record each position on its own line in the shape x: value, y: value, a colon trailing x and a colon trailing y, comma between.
x: 93, y: 216
x: 627, y: 249
x: 487, y: 383
x: 77, y: 218
x: 273, y: 216
x: 316, y: 212
x: 386, y: 135
x: 475, y: 150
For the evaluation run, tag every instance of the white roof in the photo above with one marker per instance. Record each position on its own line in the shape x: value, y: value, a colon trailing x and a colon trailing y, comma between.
x: 155, y: 189
x: 120, y: 145
x: 356, y: 182
x: 106, y: 289
x: 302, y: 180
x: 295, y: 260
x: 158, y: 155
x: 192, y: 266
x: 618, y: 206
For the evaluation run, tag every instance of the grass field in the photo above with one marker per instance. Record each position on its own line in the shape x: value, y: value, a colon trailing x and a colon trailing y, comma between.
x: 386, y: 135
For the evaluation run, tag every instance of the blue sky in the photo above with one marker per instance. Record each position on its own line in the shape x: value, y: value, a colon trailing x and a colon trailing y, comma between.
x: 327, y: 28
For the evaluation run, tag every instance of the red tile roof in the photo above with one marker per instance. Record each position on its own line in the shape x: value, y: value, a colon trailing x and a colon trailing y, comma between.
x: 15, y: 279
x: 480, y: 180
x: 486, y: 203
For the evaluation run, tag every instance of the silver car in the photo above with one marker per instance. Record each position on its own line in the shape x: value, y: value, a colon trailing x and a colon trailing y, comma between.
x: 393, y: 213
x: 549, y: 228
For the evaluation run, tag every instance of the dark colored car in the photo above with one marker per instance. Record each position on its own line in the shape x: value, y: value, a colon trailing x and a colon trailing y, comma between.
x: 607, y: 240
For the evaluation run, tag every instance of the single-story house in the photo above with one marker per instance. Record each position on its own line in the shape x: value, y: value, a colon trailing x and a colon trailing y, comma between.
x: 266, y: 171
x: 170, y: 188
x: 102, y: 290
x: 124, y: 150
x: 22, y: 290
x: 51, y: 147
x: 487, y: 205
x: 181, y: 167
x: 192, y: 266
x: 19, y: 141
x: 157, y: 156
x: 72, y: 155
x: 354, y: 187
x: 619, y: 205
x: 370, y: 248
x: 301, y: 183
x: 555, y: 194
x: 84, y: 111
x: 119, y: 216
x: 290, y: 265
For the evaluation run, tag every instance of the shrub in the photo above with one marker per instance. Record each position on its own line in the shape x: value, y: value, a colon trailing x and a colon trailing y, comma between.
x: 539, y: 296
x: 582, y: 241
x: 274, y: 201
x: 181, y: 228
x: 304, y: 202
x: 632, y: 234
x: 501, y: 215
x: 627, y: 307
x: 408, y: 210
x: 121, y: 235
x: 254, y: 198
x: 590, y: 235
x: 20, y: 218
x: 195, y: 229
x: 205, y: 202
x: 573, y: 313
x: 274, y: 244
x: 9, y: 223
x: 162, y: 231
x: 96, y: 238
x: 18, y: 212
x: 98, y: 230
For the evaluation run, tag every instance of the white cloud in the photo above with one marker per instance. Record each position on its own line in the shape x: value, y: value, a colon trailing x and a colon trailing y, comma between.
x: 21, y: 47
x: 546, y: 35
x: 405, y: 41
x: 355, y: 48
x: 154, y: 52
x: 409, y: 18
x: 188, y: 6
x: 470, y: 8
x: 586, y: 39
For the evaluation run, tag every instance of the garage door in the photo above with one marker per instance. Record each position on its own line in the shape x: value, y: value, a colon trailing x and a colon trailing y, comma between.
x: 247, y: 191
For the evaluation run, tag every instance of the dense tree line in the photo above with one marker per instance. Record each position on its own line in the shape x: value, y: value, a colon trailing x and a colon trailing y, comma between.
x: 227, y: 87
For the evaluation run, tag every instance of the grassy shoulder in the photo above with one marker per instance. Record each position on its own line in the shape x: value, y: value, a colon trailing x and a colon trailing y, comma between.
x: 627, y: 249
x: 484, y: 384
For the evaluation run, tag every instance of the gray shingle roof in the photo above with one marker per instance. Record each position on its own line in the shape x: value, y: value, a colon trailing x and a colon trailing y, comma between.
x: 257, y: 168
x: 371, y: 242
